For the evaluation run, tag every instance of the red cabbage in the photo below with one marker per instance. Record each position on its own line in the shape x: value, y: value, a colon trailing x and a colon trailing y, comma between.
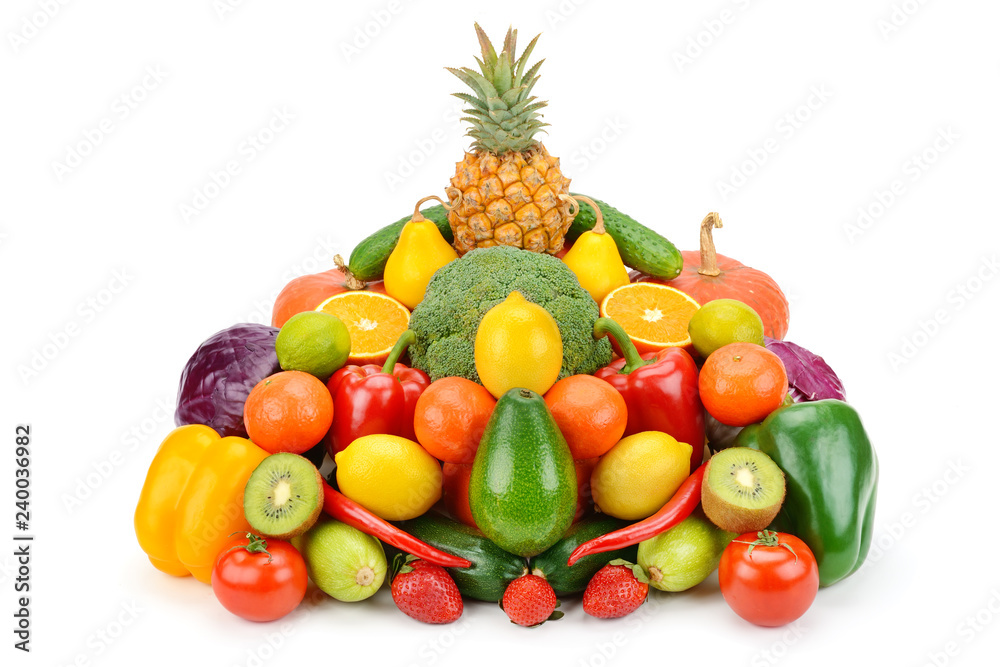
x: 810, y: 378
x: 218, y: 377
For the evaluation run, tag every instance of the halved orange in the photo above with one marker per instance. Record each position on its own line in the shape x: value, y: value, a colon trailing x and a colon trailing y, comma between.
x: 654, y: 316
x: 375, y: 322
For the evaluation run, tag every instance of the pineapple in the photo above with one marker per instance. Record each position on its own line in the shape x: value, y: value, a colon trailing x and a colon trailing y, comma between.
x: 509, y: 185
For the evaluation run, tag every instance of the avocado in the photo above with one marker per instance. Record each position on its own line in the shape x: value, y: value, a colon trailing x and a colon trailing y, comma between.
x: 522, y: 490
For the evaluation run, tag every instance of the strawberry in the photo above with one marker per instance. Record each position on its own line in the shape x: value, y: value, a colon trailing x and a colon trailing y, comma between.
x: 425, y: 592
x: 529, y: 601
x: 616, y: 590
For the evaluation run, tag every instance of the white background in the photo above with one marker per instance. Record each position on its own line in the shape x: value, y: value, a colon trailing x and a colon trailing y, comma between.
x: 104, y: 250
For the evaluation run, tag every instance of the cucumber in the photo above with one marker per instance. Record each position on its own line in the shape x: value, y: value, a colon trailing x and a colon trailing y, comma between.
x: 369, y: 257
x: 640, y: 247
x: 492, y: 567
x: 566, y: 580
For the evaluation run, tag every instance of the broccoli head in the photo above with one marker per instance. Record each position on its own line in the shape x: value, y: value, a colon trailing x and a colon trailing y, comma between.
x: 461, y: 292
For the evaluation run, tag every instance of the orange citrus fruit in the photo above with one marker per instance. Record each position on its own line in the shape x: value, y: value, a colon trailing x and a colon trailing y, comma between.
x: 654, y: 316
x: 741, y: 383
x: 450, y: 417
x: 289, y: 411
x: 589, y: 412
x: 375, y: 322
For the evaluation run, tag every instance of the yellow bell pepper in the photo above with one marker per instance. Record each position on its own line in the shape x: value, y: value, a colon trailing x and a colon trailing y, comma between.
x: 168, y: 474
x: 192, y: 501
x: 211, y: 508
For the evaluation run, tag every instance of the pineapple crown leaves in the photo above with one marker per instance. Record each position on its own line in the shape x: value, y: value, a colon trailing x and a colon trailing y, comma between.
x: 502, y: 114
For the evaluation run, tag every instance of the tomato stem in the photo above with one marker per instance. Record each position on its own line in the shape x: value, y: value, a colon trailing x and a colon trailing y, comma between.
x: 767, y: 538
x: 254, y: 545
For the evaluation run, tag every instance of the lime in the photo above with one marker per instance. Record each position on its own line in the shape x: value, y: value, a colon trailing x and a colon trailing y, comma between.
x: 724, y: 321
x: 393, y: 477
x: 639, y: 474
x: 314, y: 342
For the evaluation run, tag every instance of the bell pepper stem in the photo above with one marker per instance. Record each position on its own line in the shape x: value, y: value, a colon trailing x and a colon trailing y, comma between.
x: 398, y: 349
x: 605, y: 326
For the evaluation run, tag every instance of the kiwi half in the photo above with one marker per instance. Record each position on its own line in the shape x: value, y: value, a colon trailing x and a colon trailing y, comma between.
x: 743, y: 490
x: 283, y: 496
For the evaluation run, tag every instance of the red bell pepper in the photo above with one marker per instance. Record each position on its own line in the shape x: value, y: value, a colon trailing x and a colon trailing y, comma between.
x: 660, y: 390
x: 373, y: 399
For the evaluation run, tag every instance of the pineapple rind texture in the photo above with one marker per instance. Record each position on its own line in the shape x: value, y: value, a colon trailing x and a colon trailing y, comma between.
x: 495, y: 209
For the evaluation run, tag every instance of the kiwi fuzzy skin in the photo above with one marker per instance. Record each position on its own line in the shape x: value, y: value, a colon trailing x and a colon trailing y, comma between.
x: 731, y: 517
x: 302, y: 527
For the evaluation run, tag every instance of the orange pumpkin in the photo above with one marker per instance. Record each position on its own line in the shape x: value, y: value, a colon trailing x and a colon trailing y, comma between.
x: 707, y: 276
x: 306, y: 292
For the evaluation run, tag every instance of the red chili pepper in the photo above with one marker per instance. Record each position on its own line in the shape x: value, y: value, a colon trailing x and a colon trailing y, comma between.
x: 660, y: 390
x: 676, y: 510
x: 342, y: 508
x: 373, y: 399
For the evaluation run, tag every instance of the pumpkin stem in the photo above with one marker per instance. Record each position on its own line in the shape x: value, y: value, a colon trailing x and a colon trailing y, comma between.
x: 349, y: 278
x: 708, y: 265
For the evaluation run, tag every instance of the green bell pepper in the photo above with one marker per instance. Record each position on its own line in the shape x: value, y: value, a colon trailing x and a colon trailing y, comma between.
x: 831, y: 478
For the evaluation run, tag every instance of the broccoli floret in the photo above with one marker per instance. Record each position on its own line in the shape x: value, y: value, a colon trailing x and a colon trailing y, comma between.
x: 460, y: 293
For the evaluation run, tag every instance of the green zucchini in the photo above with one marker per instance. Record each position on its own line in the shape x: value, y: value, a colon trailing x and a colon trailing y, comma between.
x: 640, y: 247
x: 369, y: 257
x: 566, y: 580
x: 492, y: 567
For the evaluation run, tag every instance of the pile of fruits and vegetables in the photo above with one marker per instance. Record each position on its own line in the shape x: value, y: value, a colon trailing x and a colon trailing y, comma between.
x: 507, y: 413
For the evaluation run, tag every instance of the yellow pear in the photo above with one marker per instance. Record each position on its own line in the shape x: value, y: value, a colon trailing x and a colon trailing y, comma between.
x: 419, y: 253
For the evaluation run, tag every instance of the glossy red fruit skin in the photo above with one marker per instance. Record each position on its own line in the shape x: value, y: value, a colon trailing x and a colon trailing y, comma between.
x: 770, y: 586
x: 614, y: 592
x: 427, y: 594
x: 529, y: 600
x: 260, y: 587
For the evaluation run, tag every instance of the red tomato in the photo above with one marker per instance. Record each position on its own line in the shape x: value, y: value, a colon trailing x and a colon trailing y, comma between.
x: 259, y: 580
x: 768, y: 578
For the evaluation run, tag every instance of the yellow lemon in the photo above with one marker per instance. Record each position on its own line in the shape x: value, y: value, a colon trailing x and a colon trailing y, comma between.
x: 391, y: 476
x: 518, y: 344
x: 639, y: 474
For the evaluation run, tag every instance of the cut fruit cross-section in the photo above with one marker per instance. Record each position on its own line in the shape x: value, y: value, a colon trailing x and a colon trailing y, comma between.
x: 654, y: 316
x: 375, y: 322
